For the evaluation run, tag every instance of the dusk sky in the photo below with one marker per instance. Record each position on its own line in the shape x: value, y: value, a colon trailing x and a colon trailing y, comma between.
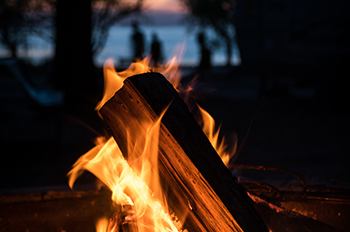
x: 164, y: 5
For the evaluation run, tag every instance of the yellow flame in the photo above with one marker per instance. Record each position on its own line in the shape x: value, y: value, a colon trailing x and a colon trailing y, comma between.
x: 129, y: 187
x: 101, y: 225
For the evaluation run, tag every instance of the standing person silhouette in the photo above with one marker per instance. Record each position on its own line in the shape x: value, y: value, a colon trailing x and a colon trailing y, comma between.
x: 205, y: 61
x: 137, y: 40
x: 156, y: 50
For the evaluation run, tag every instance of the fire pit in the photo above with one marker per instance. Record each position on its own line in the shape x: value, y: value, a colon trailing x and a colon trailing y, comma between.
x: 59, y: 210
x: 64, y: 210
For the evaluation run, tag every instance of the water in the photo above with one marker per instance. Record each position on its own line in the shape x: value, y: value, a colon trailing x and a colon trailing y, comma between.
x: 118, y: 46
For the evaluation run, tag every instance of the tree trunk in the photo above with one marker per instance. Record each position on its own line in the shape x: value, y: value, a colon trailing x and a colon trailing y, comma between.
x: 74, y: 69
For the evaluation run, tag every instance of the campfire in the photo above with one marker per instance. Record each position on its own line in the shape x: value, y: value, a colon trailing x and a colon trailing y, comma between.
x: 164, y: 173
x: 166, y: 170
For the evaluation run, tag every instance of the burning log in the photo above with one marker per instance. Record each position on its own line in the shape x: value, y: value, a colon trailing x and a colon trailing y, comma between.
x: 196, y: 182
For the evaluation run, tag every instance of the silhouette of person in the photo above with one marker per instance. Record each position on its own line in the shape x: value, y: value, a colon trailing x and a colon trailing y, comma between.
x: 156, y: 50
x: 205, y: 61
x: 137, y: 40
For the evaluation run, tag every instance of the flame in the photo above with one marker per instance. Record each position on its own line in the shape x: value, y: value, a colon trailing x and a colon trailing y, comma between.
x: 102, y: 225
x: 135, y: 184
x: 172, y: 67
x: 208, y: 127
x: 139, y: 189
x: 114, y: 80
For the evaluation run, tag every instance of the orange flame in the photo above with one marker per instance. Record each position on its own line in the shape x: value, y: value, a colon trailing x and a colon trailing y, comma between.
x: 114, y: 80
x: 137, y: 183
x: 208, y: 127
x: 102, y: 225
x: 141, y: 190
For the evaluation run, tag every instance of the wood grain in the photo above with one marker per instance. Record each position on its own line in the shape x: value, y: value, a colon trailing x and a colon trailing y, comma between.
x: 200, y: 190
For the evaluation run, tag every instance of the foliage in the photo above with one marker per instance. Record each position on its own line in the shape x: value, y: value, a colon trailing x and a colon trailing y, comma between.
x: 21, y: 18
x: 105, y: 14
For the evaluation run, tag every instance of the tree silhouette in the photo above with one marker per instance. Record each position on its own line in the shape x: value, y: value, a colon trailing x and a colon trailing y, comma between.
x: 21, y: 18
x: 216, y: 14
x: 81, y: 31
x: 105, y: 13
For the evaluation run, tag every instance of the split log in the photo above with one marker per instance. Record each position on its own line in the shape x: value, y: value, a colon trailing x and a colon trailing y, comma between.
x: 195, y: 180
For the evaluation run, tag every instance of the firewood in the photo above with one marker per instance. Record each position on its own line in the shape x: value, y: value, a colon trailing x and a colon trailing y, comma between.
x: 196, y: 182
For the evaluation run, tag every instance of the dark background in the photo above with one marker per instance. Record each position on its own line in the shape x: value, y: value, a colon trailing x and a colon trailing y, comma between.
x: 295, y: 59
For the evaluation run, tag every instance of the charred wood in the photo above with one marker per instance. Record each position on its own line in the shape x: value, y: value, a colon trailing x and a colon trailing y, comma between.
x: 195, y: 180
